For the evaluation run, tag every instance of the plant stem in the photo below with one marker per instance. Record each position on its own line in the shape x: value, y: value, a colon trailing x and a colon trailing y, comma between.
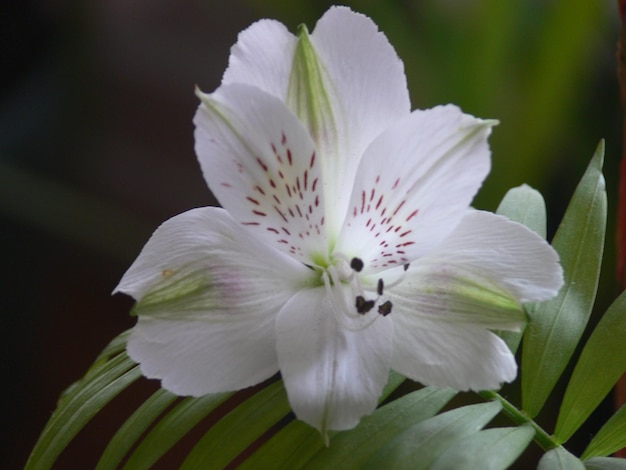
x: 542, y: 438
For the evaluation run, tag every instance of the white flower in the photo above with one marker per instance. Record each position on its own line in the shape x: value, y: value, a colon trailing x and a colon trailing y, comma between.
x: 346, y: 245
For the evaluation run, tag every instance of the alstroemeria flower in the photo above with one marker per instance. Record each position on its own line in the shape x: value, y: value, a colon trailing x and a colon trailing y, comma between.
x: 346, y: 245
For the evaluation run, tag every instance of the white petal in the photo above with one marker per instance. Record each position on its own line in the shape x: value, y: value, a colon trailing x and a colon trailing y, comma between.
x: 461, y: 356
x: 413, y: 186
x: 506, y: 252
x: 261, y: 164
x: 368, y: 85
x: 262, y: 58
x: 207, y: 296
x: 333, y: 376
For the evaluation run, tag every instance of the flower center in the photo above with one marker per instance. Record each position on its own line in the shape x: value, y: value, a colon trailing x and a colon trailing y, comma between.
x: 354, y: 305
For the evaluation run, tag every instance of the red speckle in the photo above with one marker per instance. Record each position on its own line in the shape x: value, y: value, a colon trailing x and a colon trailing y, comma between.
x: 317, y: 200
x: 253, y: 201
x: 272, y: 229
x: 259, y: 189
x: 289, y: 157
x: 282, y: 240
x: 262, y: 214
x: 312, y: 160
x: 250, y: 223
x: 398, y: 208
x: 281, y: 214
x: 412, y: 214
x: 286, y: 231
x: 272, y: 183
x: 380, y: 201
x: 277, y: 199
x: 372, y: 194
x: 405, y: 233
x: 283, y: 139
x: 262, y: 163
x: 226, y: 185
x: 395, y: 185
x: 362, y: 201
x: 306, y: 179
x: 314, y: 185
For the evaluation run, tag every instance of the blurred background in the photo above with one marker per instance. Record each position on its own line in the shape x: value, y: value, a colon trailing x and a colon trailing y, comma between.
x: 96, y: 147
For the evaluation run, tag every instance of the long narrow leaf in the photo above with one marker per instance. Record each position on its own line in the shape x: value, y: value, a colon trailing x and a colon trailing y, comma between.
x: 351, y: 449
x: 489, y: 449
x: 420, y: 445
x: 601, y: 364
x: 173, y: 427
x: 610, y: 438
x: 557, y: 325
x: 605, y: 463
x: 240, y: 428
x: 77, y: 407
x: 134, y: 427
x: 559, y: 459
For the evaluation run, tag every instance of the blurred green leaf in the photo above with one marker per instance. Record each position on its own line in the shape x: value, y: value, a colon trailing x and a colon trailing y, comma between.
x: 489, y: 449
x: 172, y: 427
x: 610, y: 438
x: 526, y: 206
x: 560, y: 459
x: 420, y: 445
x: 605, y: 463
x: 134, y: 428
x: 232, y: 434
x: 557, y: 325
x: 295, y: 444
x: 351, y: 449
x: 82, y: 402
x: 601, y: 364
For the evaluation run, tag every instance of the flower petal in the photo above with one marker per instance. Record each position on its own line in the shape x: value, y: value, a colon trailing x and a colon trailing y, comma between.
x: 368, y: 94
x: 262, y: 165
x: 413, y: 186
x: 442, y: 354
x: 333, y: 376
x: 207, y: 296
x: 262, y: 57
x: 505, y: 252
x: 360, y: 98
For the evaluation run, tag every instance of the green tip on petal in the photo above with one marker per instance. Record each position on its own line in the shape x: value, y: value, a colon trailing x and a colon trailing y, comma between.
x: 309, y: 95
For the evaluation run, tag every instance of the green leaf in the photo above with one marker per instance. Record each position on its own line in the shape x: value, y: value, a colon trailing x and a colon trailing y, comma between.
x: 526, y: 206
x: 81, y: 403
x: 560, y: 459
x: 421, y: 444
x: 601, y: 364
x: 605, y: 463
x: 295, y: 444
x: 238, y: 429
x: 557, y: 325
x: 490, y: 449
x: 351, y: 449
x: 610, y: 438
x: 134, y: 427
x: 172, y: 427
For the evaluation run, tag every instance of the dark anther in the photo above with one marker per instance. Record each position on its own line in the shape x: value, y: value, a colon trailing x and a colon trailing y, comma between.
x: 379, y: 289
x: 363, y: 306
x: 406, y: 266
x: 385, y: 309
x: 356, y: 264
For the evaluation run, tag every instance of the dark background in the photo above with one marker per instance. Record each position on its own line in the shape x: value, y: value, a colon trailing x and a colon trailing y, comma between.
x: 96, y: 147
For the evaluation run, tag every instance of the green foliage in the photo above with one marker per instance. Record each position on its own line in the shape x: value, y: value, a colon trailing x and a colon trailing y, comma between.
x: 558, y: 324
x: 560, y: 459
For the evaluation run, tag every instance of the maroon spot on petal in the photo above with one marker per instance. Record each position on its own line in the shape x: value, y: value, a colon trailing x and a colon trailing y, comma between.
x: 262, y: 214
x: 272, y: 229
x: 395, y: 185
x: 261, y: 163
x: 253, y: 201
x: 412, y: 214
x: 399, y: 207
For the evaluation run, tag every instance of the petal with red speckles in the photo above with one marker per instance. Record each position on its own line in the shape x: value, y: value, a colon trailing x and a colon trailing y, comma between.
x: 262, y: 165
x: 414, y: 184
